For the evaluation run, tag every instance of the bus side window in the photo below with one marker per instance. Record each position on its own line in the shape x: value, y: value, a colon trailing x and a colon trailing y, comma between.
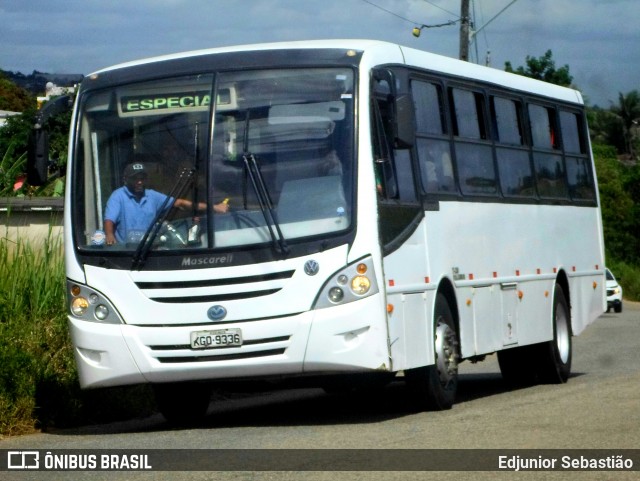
x: 572, y: 139
x: 579, y: 172
x: 434, y: 149
x: 474, y: 154
x: 548, y: 160
x: 514, y: 166
x: 543, y: 128
x: 386, y: 182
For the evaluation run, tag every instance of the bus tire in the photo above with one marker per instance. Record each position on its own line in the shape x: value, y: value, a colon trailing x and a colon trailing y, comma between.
x: 182, y: 403
x: 434, y: 387
x: 555, y: 355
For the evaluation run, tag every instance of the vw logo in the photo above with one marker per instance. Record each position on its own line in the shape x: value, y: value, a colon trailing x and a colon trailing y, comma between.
x: 216, y: 313
x: 311, y: 268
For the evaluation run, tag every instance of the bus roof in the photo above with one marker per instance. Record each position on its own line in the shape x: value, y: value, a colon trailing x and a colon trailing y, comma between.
x: 376, y: 48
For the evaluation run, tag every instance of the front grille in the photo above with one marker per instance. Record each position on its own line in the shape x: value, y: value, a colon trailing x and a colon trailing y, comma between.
x: 214, y: 298
x: 214, y: 290
x: 222, y: 357
x: 215, y: 282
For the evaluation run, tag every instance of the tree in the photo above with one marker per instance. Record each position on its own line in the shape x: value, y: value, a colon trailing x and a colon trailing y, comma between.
x: 619, y: 217
x: 628, y: 111
x: 14, y: 138
x: 14, y: 98
x: 543, y: 68
x: 605, y: 128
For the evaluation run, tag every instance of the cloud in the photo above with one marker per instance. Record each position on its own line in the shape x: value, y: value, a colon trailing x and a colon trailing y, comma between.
x: 593, y: 37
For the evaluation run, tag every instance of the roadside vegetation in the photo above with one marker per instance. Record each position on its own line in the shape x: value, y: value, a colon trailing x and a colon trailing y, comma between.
x: 38, y: 378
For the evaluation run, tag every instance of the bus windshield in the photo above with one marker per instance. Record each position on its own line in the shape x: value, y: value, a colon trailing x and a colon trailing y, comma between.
x: 215, y: 161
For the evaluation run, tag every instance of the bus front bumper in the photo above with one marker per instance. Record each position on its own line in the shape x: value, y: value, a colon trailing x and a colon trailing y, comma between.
x: 346, y: 338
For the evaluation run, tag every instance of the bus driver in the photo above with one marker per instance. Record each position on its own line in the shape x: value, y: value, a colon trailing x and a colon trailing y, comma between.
x: 131, y: 208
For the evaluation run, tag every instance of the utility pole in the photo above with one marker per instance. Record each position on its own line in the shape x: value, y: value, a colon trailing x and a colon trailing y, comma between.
x: 464, y: 30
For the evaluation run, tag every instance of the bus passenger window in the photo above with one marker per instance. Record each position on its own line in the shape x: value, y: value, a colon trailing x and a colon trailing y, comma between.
x: 474, y: 158
x: 475, y: 169
x: 427, y: 99
x: 434, y: 149
x: 580, y: 176
x: 543, y: 127
x: 435, y: 166
x: 579, y: 171
x: 514, y: 166
x: 549, y: 165
x: 550, y: 175
x: 571, y: 138
x: 468, y: 119
x: 507, y: 120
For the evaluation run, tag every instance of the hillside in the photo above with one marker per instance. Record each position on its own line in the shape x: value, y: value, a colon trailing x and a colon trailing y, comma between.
x: 35, y: 82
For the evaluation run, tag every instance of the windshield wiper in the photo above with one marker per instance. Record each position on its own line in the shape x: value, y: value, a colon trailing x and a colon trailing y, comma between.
x: 140, y: 256
x: 262, y: 193
x: 266, y: 206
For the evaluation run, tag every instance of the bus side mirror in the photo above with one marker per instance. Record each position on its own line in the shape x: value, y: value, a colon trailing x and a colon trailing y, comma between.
x: 38, y: 150
x: 38, y: 157
x: 404, y: 122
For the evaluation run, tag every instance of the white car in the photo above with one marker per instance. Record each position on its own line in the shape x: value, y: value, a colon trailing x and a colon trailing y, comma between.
x: 614, y: 293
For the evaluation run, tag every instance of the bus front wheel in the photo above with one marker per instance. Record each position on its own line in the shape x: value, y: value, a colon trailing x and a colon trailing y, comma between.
x: 434, y: 387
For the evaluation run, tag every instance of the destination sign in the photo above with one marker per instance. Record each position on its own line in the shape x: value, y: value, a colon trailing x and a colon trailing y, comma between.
x: 165, y: 101
x: 140, y: 103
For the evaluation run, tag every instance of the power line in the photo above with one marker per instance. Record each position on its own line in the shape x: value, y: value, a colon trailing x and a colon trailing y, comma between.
x: 494, y: 17
x: 443, y: 9
x: 451, y: 22
x: 473, y: 34
x: 388, y: 11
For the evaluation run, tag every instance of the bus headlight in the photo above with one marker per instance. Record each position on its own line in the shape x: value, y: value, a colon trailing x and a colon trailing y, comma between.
x: 360, y: 285
x: 89, y: 305
x: 336, y: 294
x: 101, y: 312
x: 351, y: 283
x: 79, y: 306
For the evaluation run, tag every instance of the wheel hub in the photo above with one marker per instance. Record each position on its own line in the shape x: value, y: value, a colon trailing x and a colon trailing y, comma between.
x: 446, y: 353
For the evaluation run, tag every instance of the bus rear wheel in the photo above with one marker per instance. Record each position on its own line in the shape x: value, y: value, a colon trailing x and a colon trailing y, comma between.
x: 182, y: 403
x: 555, y: 355
x: 548, y: 362
x: 434, y: 387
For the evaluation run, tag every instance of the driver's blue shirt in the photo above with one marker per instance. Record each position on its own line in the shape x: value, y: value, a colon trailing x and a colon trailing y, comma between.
x: 131, y: 217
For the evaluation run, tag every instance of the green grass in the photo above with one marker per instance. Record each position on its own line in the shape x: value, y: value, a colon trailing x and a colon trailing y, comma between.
x: 34, y: 341
x: 38, y: 378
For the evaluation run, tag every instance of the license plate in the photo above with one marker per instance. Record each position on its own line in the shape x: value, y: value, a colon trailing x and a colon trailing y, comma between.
x: 217, y: 338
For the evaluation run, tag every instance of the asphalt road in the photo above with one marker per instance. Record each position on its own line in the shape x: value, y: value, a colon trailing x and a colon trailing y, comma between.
x: 598, y: 408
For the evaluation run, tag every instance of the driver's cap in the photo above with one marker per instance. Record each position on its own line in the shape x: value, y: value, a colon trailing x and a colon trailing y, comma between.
x: 134, y: 169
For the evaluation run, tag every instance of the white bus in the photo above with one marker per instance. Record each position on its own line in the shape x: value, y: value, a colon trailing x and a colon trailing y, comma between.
x: 384, y: 210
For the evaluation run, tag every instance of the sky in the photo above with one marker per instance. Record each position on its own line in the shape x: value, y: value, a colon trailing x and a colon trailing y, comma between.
x: 597, y: 39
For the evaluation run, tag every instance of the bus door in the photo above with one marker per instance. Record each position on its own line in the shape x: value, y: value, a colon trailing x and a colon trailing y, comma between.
x: 400, y: 213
